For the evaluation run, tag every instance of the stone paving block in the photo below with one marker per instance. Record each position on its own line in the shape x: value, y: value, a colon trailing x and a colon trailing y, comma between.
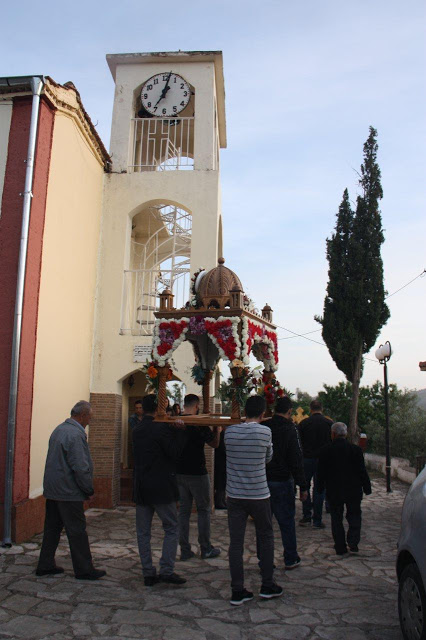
x: 340, y: 633
x: 50, y: 607
x: 183, y: 634
x: 30, y: 627
x: 281, y: 632
x: 221, y: 629
x: 138, y: 617
x: 20, y: 603
x: 90, y: 613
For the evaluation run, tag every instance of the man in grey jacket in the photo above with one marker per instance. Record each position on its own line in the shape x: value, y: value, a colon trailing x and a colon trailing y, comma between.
x: 68, y: 481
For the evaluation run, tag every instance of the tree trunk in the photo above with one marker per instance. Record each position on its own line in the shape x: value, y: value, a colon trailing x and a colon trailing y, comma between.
x: 353, y: 418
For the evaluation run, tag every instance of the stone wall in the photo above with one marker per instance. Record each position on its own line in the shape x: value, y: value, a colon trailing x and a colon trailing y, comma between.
x: 400, y: 468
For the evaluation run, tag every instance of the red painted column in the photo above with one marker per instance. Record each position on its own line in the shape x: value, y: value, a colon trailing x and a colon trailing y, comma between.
x: 30, y: 307
x: 10, y: 233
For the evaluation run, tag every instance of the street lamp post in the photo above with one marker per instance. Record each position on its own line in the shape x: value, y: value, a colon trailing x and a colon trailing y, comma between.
x: 383, y: 355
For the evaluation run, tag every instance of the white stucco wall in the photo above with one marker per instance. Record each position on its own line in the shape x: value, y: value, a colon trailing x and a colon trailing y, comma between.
x: 67, y: 287
x: 5, y: 119
x: 125, y: 194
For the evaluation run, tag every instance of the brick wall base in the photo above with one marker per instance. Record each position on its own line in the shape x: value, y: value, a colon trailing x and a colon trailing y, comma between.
x: 105, y: 447
x: 27, y: 519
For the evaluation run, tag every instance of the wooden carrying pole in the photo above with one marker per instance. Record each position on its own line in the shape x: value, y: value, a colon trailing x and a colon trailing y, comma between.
x: 206, y: 391
x: 163, y: 376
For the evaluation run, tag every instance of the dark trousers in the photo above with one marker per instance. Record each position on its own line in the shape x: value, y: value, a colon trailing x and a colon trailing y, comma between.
x: 168, y: 516
x: 283, y: 505
x: 353, y: 516
x: 316, y: 502
x: 194, y: 488
x: 238, y: 512
x: 60, y: 514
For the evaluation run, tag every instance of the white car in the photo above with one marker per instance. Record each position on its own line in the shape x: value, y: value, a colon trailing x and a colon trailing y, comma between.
x: 411, y: 562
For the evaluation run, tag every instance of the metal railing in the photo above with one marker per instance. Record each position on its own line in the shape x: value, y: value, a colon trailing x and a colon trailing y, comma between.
x: 140, y: 296
x: 162, y: 144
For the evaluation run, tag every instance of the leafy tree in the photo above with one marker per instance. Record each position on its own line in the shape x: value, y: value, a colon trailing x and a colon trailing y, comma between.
x: 354, y: 306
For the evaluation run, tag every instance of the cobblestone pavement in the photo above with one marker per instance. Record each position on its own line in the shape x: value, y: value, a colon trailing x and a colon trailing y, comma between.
x: 325, y: 598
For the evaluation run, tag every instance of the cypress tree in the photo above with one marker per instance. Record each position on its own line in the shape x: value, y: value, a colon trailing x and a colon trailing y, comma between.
x: 354, y: 306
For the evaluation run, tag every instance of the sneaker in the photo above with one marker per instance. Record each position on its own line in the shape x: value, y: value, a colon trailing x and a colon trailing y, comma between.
x: 49, y: 572
x: 171, y: 578
x: 239, y: 597
x: 150, y: 581
x: 275, y: 591
x: 353, y: 548
x: 318, y: 525
x: 305, y: 521
x: 293, y: 565
x: 187, y: 555
x: 213, y: 553
x: 93, y: 575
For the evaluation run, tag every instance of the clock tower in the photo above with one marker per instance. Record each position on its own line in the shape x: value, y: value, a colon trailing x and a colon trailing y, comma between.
x: 161, y: 222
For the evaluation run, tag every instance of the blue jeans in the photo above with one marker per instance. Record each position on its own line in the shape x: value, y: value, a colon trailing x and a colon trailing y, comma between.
x: 283, y: 505
x: 310, y: 466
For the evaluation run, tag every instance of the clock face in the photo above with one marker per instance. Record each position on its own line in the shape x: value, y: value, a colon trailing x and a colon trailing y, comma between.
x: 165, y: 94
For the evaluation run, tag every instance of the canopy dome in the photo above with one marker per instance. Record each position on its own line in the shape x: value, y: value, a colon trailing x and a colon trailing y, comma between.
x: 217, y: 285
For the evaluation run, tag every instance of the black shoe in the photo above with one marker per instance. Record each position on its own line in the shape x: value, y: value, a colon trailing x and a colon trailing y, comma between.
x: 304, y: 522
x: 239, y: 597
x: 172, y: 578
x: 293, y: 565
x: 353, y: 548
x: 318, y: 525
x: 49, y: 572
x: 271, y: 592
x: 150, y: 581
x: 213, y: 553
x: 93, y: 575
x: 187, y: 555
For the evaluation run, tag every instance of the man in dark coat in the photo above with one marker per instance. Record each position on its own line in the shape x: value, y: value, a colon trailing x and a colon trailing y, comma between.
x: 315, y: 432
x: 68, y: 482
x: 342, y: 473
x: 156, y: 448
x: 283, y: 472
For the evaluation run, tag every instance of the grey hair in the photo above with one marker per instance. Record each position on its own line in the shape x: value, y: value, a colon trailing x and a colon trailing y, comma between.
x: 339, y: 429
x: 82, y: 406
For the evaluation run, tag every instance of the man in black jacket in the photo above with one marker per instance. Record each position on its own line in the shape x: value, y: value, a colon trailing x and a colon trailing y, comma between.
x: 156, y: 448
x: 283, y: 472
x: 315, y: 432
x: 342, y: 473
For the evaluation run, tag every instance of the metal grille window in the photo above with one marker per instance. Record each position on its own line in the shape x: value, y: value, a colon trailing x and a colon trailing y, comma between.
x: 161, y: 246
x: 162, y: 144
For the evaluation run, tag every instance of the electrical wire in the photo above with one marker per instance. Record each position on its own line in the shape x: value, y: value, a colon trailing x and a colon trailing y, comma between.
x: 421, y: 275
x: 322, y: 344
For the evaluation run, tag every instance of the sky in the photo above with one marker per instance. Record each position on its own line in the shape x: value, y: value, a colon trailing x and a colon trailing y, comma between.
x: 304, y: 81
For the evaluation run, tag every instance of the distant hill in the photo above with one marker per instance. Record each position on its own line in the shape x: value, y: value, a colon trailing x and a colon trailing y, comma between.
x: 421, y: 398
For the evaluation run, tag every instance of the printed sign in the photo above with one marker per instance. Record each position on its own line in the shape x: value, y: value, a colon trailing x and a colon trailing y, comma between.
x: 142, y: 353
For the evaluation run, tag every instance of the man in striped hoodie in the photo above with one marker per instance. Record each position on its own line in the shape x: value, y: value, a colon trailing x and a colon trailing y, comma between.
x: 248, y: 450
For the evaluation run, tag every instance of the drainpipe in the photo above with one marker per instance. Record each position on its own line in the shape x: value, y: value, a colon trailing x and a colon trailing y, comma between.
x: 36, y: 83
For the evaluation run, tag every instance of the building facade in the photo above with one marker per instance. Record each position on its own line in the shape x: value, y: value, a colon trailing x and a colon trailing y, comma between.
x: 107, y: 232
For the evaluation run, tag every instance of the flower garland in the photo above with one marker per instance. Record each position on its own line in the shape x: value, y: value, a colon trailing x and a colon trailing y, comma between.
x: 150, y: 371
x: 167, y: 336
x: 193, y: 302
x: 254, y: 334
x: 223, y: 332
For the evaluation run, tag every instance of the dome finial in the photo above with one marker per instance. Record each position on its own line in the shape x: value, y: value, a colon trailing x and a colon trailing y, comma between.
x: 221, y: 261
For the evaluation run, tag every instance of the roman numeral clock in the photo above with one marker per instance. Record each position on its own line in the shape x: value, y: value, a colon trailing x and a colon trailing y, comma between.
x: 165, y: 94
